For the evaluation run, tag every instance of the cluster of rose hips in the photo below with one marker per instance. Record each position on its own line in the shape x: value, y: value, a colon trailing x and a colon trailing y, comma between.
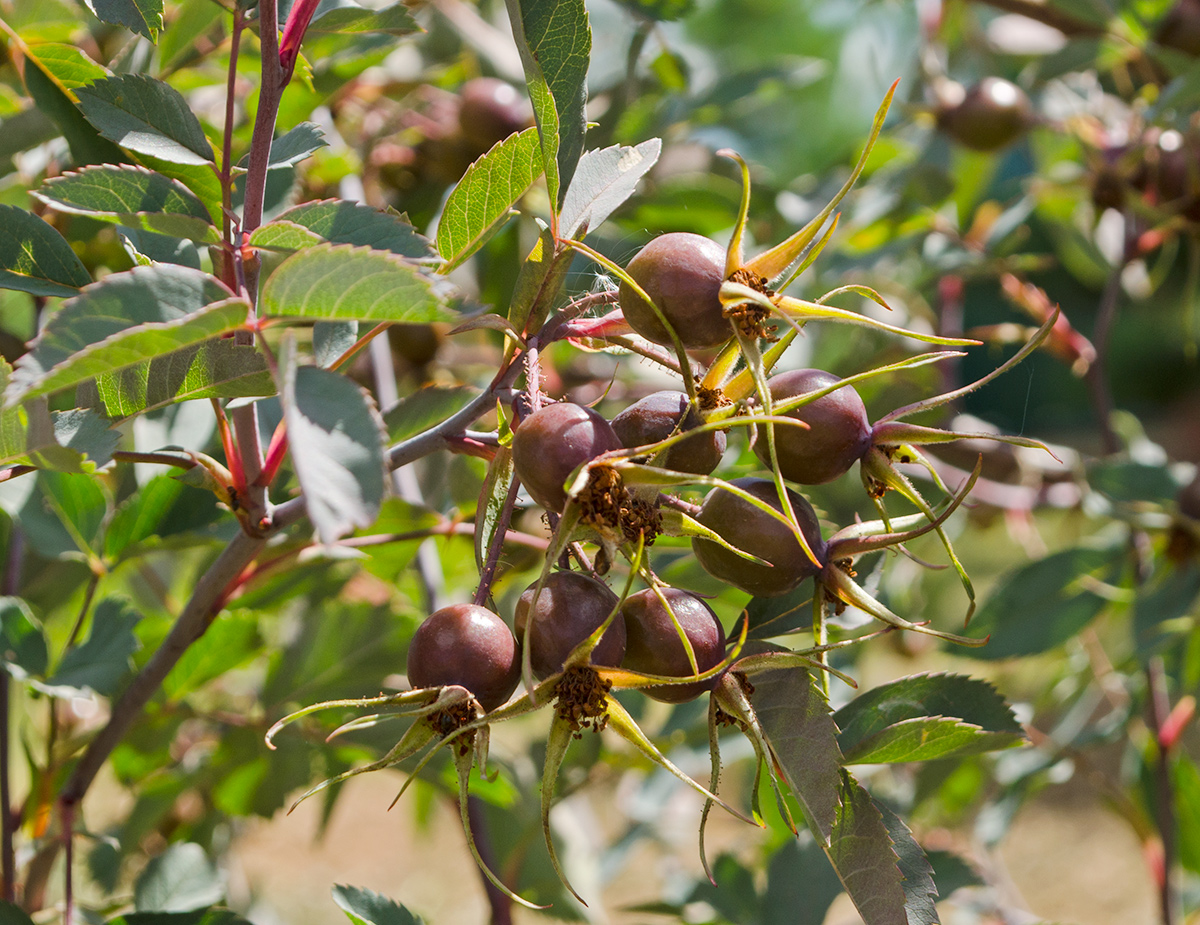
x: 609, y: 483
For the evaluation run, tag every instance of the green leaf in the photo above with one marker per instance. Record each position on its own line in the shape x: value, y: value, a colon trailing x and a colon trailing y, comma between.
x: 662, y: 10
x: 1186, y: 778
x: 139, y: 516
x: 1129, y: 481
x: 217, y: 368
x: 124, y: 319
x: 22, y: 643
x: 146, y: 247
x: 796, y: 721
x: 35, y: 258
x: 77, y: 440
x: 604, y: 180
x: 801, y: 886
x: 231, y: 641
x: 483, y: 200
x: 924, y: 717
x: 181, y: 879
x: 775, y: 616
x: 293, y: 146
x: 365, y: 907
x: 555, y: 42
x: 101, y: 663
x: 491, y: 502
x: 78, y: 504
x: 335, y: 281
x: 542, y: 275
x: 13, y: 915
x: 861, y: 852
x: 919, y: 889
x: 342, y: 222
x: 331, y: 339
x: 335, y: 435
x: 195, y: 917
x: 394, y: 20
x: 132, y: 196
x: 147, y: 116
x: 145, y: 17
x: 424, y: 409
x: 1162, y: 604
x: 70, y: 67
x: 1041, y: 605
x: 192, y: 19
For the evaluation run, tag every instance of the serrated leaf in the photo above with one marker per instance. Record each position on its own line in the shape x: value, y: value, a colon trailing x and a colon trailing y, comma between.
x: 925, y: 717
x: 125, y: 319
x: 484, y: 198
x: 145, y: 115
x: 798, y: 726
x: 337, y: 281
x: 145, y: 17
x: 342, y: 222
x: 394, y: 20
x: 131, y: 196
x: 917, y: 872
x: 22, y: 643
x: 603, y: 180
x: 218, y: 368
x: 366, y: 907
x: 425, y: 408
x: 282, y: 236
x: 70, y: 67
x: 335, y: 436
x: 861, y: 852
x: 35, y: 258
x: 102, y: 662
x: 293, y: 146
x: 230, y: 641
x: 555, y: 43
x: 181, y: 879
x: 1041, y: 605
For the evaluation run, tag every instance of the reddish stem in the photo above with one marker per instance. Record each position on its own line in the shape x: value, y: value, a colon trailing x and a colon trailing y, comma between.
x: 232, y: 457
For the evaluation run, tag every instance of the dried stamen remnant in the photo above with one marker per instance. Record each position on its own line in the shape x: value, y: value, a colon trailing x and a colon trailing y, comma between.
x: 582, y: 699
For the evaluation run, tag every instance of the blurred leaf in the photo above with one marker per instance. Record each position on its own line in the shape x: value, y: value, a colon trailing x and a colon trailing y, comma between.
x: 951, y: 872
x: 331, y: 281
x: 159, y: 248
x: 22, y: 643
x: 925, y: 717
x: 861, y: 852
x: 195, y: 917
x: 801, y: 885
x: 492, y: 497
x: 365, y: 907
x: 35, y: 258
x: 181, y: 879
x: 796, y: 720
x: 555, y: 43
x: 1130, y: 481
x: 733, y: 896
x: 919, y: 889
x: 293, y: 146
x: 193, y: 18
x: 219, y: 368
x: 774, y: 616
x: 483, y: 199
x: 1168, y: 596
x: 147, y: 116
x: 424, y: 409
x: 145, y: 17
x: 331, y: 339
x: 78, y: 503
x: 335, y: 435
x: 1186, y: 778
x: 1041, y: 605
x: 13, y: 915
x: 603, y: 181
x: 101, y: 663
x: 394, y: 20
x: 228, y: 643
x: 124, y: 319
x: 662, y: 10
x: 139, y: 516
x: 78, y: 440
x: 132, y: 196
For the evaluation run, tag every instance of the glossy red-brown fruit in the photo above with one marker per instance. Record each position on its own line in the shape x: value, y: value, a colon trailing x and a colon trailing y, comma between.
x: 467, y: 645
x: 753, y: 530
x: 570, y: 608
x: 552, y: 442
x: 682, y: 273
x: 491, y: 110
x: 655, y: 418
x: 838, y: 431
x: 653, y: 645
x: 993, y: 113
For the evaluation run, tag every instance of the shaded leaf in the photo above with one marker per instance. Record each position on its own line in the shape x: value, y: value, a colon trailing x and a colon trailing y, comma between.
x: 192, y: 19
x: 218, y: 368
x: 774, y: 616
x: 394, y: 20
x: 77, y: 440
x: 491, y: 502
x: 13, y: 915
x: 124, y: 319
x: 147, y: 116
x: 366, y: 907
x: 1158, y: 603
x: 951, y: 872
x: 924, y: 717
x: 425, y: 408
x: 861, y: 852
x: 195, y: 917
x: 796, y: 720
x: 181, y: 879
x: 22, y: 643
x: 342, y: 222
x: 146, y: 247
x: 293, y: 146
x: 1041, y: 605
x: 230, y: 641
x: 603, y: 180
x: 336, y: 440
x: 35, y: 258
x: 662, y: 10
x: 145, y: 17
x: 139, y: 516
x: 334, y: 281
x: 132, y: 196
x: 331, y: 339
x: 919, y: 889
x: 801, y: 885
x: 543, y: 271
x: 102, y: 662
x: 484, y: 197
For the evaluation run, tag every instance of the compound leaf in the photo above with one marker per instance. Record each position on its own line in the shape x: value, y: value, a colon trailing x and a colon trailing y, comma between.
x: 35, y: 258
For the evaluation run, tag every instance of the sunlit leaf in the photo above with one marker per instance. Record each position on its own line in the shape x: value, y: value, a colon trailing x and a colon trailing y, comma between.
x: 342, y: 222
x: 366, y: 907
x: 293, y: 146
x: 603, y: 180
x: 394, y: 20
x: 147, y: 116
